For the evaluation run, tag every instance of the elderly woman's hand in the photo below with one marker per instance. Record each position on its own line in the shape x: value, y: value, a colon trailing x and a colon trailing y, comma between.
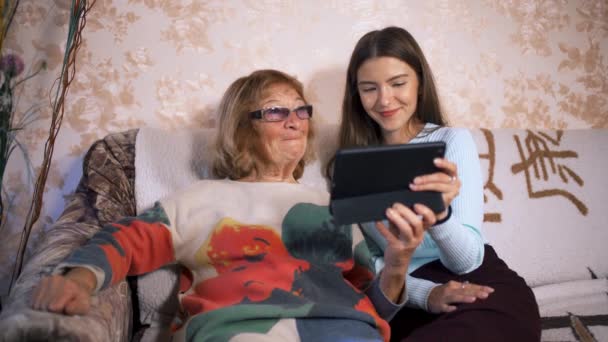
x: 404, y: 234
x: 446, y: 182
x: 69, y: 294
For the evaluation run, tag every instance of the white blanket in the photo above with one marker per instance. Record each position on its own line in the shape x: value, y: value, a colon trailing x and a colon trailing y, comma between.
x: 574, y: 311
x: 167, y: 161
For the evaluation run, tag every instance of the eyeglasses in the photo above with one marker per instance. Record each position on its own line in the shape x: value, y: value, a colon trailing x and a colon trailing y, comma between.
x: 281, y: 113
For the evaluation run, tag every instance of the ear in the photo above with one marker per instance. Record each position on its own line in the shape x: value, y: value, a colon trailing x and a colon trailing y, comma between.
x: 255, y: 126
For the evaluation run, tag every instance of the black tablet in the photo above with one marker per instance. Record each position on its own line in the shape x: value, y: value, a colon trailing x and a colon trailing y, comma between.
x: 368, y: 180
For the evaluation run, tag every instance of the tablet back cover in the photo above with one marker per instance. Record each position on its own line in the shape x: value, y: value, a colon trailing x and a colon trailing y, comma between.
x: 368, y: 180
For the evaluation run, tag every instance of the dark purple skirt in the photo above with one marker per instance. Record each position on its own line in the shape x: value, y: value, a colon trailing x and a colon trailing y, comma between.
x: 508, y: 314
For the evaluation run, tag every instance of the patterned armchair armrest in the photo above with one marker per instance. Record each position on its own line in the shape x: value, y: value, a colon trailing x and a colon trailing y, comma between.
x: 104, y: 194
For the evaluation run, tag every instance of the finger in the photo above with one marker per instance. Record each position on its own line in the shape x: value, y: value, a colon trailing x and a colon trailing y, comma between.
x: 478, y: 291
x: 385, y: 232
x: 437, y: 177
x: 457, y: 292
x: 58, y: 303
x: 404, y: 230
x: 476, y: 287
x: 37, y: 294
x: 474, y: 293
x: 443, y: 187
x: 398, y: 226
x: 428, y: 216
x: 49, y: 292
x: 467, y: 299
x: 444, y: 184
x: 461, y: 298
x: 79, y: 305
x: 447, y: 166
x: 481, y: 295
x: 62, y: 297
x: 393, y: 229
x: 449, y: 308
x: 403, y: 209
x: 412, y: 218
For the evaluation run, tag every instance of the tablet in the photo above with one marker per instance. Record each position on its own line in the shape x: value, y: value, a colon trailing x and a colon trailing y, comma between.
x: 368, y: 180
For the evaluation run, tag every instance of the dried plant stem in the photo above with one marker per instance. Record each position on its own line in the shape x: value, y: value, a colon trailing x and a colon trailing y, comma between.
x: 77, y: 23
x: 5, y: 26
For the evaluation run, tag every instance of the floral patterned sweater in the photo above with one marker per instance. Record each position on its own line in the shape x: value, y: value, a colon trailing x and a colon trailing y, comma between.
x: 261, y: 262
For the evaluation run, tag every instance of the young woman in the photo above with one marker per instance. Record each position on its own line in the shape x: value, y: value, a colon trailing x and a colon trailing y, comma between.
x: 458, y: 288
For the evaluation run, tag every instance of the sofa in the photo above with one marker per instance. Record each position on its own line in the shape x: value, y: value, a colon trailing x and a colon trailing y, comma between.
x: 544, y: 209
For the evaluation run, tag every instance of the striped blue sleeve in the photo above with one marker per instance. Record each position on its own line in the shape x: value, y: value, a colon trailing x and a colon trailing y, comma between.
x: 418, y: 291
x: 459, y: 239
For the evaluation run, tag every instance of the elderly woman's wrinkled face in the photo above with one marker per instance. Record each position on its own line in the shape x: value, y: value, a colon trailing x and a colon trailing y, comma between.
x: 284, y: 142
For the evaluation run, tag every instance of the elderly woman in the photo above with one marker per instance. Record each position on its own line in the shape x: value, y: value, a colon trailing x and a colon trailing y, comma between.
x: 261, y: 256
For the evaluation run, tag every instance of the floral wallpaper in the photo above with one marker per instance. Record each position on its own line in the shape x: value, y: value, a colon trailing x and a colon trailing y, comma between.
x: 514, y: 63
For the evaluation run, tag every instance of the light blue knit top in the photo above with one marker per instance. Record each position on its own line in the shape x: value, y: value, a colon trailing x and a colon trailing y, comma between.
x: 458, y: 242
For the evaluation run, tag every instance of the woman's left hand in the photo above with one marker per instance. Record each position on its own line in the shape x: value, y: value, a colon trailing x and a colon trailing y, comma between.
x: 445, y: 182
x: 403, y: 235
x: 446, y: 297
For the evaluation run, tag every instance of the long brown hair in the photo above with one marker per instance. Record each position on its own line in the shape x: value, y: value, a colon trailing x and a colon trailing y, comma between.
x: 357, y: 128
x: 237, y: 149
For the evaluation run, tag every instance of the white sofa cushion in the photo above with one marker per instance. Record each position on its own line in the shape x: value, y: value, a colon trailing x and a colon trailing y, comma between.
x: 546, y: 194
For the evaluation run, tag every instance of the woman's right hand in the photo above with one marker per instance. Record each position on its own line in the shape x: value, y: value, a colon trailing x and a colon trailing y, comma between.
x: 68, y: 294
x: 443, y: 297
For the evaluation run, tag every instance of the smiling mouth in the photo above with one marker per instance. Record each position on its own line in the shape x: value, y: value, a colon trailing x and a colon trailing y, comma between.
x: 388, y: 113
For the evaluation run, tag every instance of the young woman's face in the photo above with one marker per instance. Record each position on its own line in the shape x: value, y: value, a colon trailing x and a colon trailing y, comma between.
x: 388, y: 88
x: 284, y: 142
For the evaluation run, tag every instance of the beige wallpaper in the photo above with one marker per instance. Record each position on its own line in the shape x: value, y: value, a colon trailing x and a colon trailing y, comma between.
x: 516, y: 63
